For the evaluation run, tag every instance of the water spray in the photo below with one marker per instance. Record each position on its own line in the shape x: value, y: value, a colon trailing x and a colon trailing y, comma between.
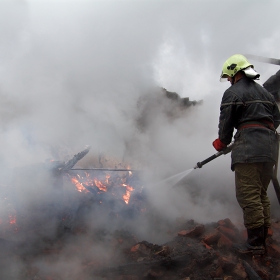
x: 173, y: 180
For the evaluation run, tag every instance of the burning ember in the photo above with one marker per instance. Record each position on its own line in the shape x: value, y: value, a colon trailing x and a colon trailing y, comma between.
x: 8, y: 219
x: 79, y: 186
x: 127, y: 194
x: 13, y: 220
x: 99, y: 185
x: 86, y: 183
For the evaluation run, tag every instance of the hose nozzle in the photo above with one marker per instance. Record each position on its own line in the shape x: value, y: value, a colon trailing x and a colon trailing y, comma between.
x: 223, y: 152
x: 198, y: 165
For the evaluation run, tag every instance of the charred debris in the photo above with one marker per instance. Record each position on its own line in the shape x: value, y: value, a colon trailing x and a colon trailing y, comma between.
x: 167, y: 104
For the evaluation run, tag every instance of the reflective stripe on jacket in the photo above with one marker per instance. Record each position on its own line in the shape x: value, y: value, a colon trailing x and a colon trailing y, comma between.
x: 243, y: 103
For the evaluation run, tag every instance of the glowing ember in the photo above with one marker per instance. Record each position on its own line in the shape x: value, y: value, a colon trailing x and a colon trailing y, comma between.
x: 83, y: 183
x: 89, y: 182
x: 107, y: 178
x: 79, y: 186
x: 127, y: 194
x: 13, y: 220
x: 100, y: 186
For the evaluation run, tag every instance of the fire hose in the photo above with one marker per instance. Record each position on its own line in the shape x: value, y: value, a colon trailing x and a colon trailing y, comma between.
x: 228, y: 149
x: 223, y: 152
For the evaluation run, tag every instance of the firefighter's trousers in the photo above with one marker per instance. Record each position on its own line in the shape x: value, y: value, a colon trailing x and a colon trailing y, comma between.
x: 251, y: 182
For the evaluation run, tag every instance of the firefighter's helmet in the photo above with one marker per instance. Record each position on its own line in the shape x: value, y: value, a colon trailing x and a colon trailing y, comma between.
x: 235, y: 64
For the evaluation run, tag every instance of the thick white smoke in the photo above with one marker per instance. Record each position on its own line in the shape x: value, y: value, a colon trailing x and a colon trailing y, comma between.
x: 73, y: 73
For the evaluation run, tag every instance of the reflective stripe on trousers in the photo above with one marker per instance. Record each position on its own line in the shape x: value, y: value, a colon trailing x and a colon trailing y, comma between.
x: 251, y: 182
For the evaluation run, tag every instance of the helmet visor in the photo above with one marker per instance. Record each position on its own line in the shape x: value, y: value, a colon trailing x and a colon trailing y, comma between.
x: 223, y: 77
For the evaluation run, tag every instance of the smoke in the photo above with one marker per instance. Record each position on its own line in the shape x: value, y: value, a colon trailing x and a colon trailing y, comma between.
x: 89, y: 73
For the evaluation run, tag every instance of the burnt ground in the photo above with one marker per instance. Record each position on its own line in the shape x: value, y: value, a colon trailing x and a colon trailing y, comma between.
x: 95, y: 235
x: 198, y: 252
x: 195, y: 251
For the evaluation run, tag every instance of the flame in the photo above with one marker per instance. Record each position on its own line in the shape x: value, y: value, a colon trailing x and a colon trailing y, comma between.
x: 107, y: 178
x: 89, y: 182
x: 97, y: 183
x: 79, y: 186
x: 100, y: 186
x: 127, y: 194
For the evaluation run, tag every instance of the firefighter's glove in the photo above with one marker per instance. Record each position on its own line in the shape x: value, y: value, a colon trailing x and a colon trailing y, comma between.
x: 219, y: 145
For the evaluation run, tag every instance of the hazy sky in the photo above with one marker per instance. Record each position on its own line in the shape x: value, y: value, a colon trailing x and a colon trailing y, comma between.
x: 72, y: 72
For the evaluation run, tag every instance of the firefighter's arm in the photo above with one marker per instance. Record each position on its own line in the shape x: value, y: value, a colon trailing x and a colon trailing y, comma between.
x: 227, y: 117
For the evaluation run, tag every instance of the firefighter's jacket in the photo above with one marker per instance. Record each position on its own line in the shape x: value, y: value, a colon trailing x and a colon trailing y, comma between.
x: 273, y: 85
x: 251, y: 110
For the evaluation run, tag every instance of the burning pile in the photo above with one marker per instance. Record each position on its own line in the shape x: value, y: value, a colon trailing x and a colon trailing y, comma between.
x: 86, y: 183
x: 94, y: 220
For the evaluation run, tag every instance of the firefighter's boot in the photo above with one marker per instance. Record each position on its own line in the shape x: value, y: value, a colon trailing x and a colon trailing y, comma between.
x: 265, y: 235
x: 254, y: 244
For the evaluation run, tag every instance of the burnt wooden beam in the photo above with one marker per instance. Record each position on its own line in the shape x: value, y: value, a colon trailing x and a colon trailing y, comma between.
x: 252, y: 274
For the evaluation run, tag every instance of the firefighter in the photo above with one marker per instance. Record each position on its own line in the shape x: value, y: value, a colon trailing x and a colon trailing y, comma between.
x: 272, y: 84
x: 250, y: 109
